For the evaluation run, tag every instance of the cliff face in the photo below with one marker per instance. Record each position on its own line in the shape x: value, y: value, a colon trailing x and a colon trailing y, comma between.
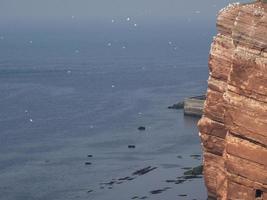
x: 233, y: 128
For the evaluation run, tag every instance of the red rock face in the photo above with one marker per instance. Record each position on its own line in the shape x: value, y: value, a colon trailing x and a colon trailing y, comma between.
x: 233, y: 128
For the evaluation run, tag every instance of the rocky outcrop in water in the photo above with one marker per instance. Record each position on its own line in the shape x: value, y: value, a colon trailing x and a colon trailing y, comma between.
x: 233, y: 128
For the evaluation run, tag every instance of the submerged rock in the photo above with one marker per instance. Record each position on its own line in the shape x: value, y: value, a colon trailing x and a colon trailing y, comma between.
x: 137, y: 197
x: 144, y: 170
x: 179, y: 105
x: 141, y: 128
x: 144, y: 197
x: 127, y: 178
x: 159, y: 190
x: 196, y: 171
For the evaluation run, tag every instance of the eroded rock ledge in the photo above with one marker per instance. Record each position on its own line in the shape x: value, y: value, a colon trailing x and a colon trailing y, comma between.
x: 233, y: 128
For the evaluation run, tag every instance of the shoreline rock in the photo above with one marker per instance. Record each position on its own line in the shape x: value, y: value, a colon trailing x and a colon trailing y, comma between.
x: 193, y: 106
x: 177, y: 106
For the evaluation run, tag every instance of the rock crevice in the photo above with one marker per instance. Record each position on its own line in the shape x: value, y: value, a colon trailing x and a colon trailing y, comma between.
x: 233, y: 128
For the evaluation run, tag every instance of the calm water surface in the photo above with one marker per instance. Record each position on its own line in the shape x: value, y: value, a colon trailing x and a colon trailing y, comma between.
x: 77, y: 90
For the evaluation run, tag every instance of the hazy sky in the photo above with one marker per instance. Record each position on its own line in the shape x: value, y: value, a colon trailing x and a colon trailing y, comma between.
x: 96, y: 9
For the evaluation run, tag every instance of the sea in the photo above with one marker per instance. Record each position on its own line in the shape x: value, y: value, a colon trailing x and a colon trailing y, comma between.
x: 73, y: 94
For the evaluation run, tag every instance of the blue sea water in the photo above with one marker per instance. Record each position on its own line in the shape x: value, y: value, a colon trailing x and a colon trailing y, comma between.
x: 72, y: 90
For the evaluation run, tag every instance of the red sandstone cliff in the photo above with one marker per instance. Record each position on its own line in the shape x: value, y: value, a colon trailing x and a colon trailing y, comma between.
x: 233, y: 128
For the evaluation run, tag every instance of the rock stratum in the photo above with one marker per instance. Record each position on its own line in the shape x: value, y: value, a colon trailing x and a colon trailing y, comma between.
x: 233, y: 128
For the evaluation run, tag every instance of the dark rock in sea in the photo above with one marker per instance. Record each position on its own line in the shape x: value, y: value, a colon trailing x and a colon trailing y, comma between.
x: 160, y: 190
x: 141, y: 128
x: 186, y: 168
x: 171, y: 181
x: 137, y: 197
x: 190, y: 177
x: 196, y: 171
x: 179, y: 181
x: 89, y: 156
x: 179, y: 105
x: 180, y: 157
x: 131, y: 146
x: 108, y: 183
x: 182, y: 195
x: 144, y: 197
x: 144, y: 170
x: 156, y: 191
x: 88, y: 163
x: 90, y: 191
x: 127, y: 178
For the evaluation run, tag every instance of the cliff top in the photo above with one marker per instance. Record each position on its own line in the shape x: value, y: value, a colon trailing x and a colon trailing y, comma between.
x: 245, y: 23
